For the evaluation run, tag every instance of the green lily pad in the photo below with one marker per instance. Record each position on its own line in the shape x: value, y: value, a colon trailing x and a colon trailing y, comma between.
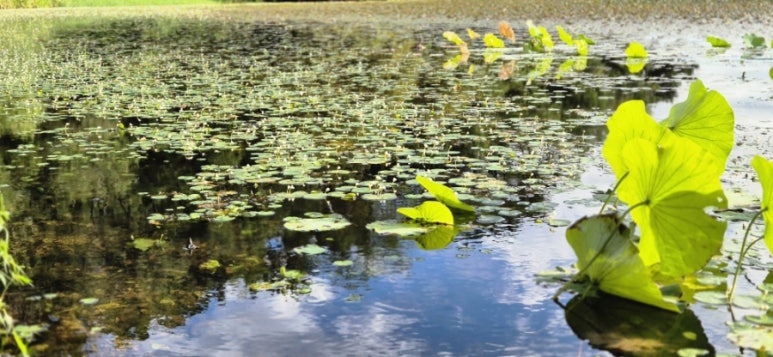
x: 144, y: 244
x: 751, y: 336
x: 210, y: 265
x: 310, y: 249
x: 343, y: 263
x: 711, y: 297
x: 717, y: 42
x: 329, y: 222
x: 88, y: 301
x: 402, y: 229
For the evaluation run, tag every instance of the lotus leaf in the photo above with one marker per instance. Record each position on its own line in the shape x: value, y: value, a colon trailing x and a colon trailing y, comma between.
x: 429, y: 212
x: 443, y: 194
x: 675, y: 181
x: 705, y: 118
x: 717, y: 42
x: 764, y: 170
x: 472, y: 34
x: 565, y: 36
x: 492, y: 41
x: 635, y: 50
x: 629, y: 121
x: 453, y: 37
x: 617, y: 268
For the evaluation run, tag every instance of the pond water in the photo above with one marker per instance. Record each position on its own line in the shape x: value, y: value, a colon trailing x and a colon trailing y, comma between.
x: 132, y: 137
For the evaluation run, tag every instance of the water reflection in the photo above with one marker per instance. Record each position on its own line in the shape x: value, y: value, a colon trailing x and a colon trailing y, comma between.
x: 197, y: 100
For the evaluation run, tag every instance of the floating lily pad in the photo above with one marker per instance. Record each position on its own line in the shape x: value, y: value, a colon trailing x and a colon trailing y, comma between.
x: 210, y: 265
x: 89, y: 301
x: 144, y: 244
x: 330, y: 222
x: 310, y: 249
x: 402, y: 229
x: 342, y: 263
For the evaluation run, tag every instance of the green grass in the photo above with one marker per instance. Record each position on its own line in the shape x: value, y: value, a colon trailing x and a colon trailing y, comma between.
x: 85, y: 3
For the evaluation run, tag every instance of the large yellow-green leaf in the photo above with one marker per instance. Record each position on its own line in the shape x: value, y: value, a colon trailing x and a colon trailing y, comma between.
x: 443, y: 194
x: 676, y: 180
x: 492, y: 41
x: 764, y: 170
x: 617, y: 270
x: 629, y: 121
x: 705, y: 118
x: 430, y: 212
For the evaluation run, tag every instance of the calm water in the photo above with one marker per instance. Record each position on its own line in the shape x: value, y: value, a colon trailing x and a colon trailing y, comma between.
x: 132, y: 115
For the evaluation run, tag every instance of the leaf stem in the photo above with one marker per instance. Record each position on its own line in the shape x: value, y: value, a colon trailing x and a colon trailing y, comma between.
x: 742, y: 254
x: 582, y: 271
x: 614, y: 189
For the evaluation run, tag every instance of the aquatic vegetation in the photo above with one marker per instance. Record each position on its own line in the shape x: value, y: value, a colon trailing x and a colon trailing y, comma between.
x: 717, y: 42
x: 11, y: 274
x: 751, y: 40
x: 429, y: 212
x: 668, y: 178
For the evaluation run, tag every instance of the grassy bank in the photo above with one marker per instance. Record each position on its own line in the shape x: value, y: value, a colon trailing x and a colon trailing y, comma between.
x: 24, y: 4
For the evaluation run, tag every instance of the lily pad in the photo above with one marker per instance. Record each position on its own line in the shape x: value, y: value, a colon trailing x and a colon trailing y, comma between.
x: 331, y: 222
x: 310, y: 249
x: 402, y: 229
x: 343, y: 263
x: 89, y: 301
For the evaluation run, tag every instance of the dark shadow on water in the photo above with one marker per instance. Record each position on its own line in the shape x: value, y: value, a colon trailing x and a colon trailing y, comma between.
x: 628, y: 328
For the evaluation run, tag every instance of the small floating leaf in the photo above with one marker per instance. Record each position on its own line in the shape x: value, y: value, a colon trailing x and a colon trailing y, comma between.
x: 144, y: 244
x: 453, y: 37
x: 635, y: 50
x: 472, y: 34
x: 492, y: 41
x: 210, y: 265
x: 402, y: 229
x: 330, y: 222
x: 89, y: 301
x: 342, y: 263
x: 751, y: 40
x: 310, y: 249
x: 717, y: 42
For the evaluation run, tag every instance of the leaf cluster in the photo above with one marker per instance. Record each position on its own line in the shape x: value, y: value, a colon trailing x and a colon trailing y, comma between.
x: 668, y: 176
